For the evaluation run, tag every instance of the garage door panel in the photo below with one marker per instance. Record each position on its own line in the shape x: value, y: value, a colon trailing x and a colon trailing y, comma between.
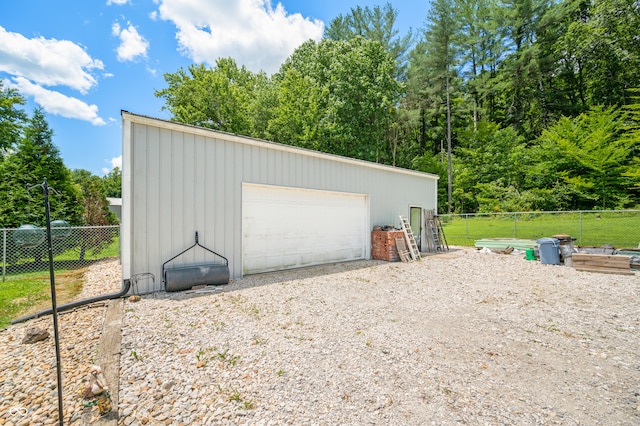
x: 285, y: 228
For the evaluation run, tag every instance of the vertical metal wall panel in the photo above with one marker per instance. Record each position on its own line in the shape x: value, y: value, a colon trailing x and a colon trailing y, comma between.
x: 227, y: 196
x: 175, y: 198
x: 217, y: 213
x: 210, y: 229
x: 263, y: 161
x: 190, y: 189
x: 179, y: 179
x: 235, y: 250
x: 139, y: 193
x: 166, y: 239
x: 126, y: 242
x: 153, y: 191
x: 201, y: 195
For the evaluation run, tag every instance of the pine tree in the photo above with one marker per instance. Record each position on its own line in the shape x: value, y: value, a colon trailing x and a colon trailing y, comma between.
x: 375, y: 24
x: 434, y: 74
x: 36, y: 158
x: 11, y: 119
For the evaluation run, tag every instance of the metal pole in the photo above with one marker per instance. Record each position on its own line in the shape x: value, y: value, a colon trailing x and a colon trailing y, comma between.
x: 4, y: 254
x: 515, y: 225
x: 45, y: 190
x: 580, y: 236
x: 466, y: 218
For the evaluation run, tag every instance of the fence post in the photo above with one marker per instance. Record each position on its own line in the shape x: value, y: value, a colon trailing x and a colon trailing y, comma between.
x: 4, y: 254
x: 466, y: 219
x: 515, y: 225
x: 580, y: 236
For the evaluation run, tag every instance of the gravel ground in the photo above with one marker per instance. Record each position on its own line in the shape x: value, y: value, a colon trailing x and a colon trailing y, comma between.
x: 460, y: 338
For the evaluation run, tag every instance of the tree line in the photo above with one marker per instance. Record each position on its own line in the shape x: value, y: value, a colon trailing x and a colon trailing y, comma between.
x: 28, y: 156
x: 518, y: 105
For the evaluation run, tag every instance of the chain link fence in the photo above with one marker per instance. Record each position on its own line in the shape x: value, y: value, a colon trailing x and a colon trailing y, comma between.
x: 25, y: 249
x: 619, y: 228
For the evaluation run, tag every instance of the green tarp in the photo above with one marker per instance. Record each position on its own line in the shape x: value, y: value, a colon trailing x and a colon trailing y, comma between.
x: 503, y: 243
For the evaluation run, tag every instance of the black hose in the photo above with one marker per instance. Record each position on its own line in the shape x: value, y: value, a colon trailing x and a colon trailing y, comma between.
x: 126, y: 284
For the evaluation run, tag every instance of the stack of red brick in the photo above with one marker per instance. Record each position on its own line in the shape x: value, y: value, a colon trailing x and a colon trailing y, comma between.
x: 383, y: 245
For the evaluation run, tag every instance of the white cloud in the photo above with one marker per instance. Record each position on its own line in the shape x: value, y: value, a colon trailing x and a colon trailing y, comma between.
x: 117, y: 2
x: 116, y: 162
x: 48, y: 62
x: 250, y: 31
x: 56, y: 103
x: 132, y: 44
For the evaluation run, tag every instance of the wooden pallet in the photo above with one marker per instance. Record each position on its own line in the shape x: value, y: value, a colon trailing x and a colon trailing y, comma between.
x: 403, y: 251
x: 603, y: 263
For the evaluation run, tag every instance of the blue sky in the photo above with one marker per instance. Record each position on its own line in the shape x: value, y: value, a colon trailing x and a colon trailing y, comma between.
x: 85, y: 61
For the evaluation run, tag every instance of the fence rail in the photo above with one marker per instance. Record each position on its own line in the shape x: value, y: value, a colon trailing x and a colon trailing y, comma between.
x: 25, y: 250
x: 619, y: 228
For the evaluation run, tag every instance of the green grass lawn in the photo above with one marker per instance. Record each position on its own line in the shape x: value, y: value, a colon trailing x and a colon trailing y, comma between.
x: 112, y: 250
x: 25, y: 294
x: 621, y: 230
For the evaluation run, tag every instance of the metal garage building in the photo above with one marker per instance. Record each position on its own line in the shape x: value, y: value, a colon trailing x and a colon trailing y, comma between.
x: 264, y: 206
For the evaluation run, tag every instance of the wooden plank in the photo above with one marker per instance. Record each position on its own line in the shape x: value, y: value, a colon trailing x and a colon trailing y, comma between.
x: 402, y: 250
x: 108, y: 358
x: 606, y: 271
x: 602, y: 263
x: 599, y: 267
x: 601, y: 260
x: 604, y: 259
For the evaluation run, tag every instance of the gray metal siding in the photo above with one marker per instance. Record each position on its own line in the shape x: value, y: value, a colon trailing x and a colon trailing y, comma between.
x: 181, y: 179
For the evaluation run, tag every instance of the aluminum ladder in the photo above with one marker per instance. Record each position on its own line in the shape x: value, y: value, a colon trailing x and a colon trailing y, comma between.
x: 433, y: 237
x: 436, y: 240
x: 444, y: 245
x: 408, y: 233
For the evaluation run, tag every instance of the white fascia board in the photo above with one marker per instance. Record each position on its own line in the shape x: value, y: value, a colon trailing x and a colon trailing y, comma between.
x: 201, y: 131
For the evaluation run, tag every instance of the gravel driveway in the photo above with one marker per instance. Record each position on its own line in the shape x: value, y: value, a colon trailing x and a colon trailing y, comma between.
x: 459, y: 338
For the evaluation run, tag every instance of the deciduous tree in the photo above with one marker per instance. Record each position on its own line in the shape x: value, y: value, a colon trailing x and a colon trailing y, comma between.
x: 588, y: 157
x: 96, y: 207
x: 351, y: 94
x: 112, y: 182
x: 220, y: 98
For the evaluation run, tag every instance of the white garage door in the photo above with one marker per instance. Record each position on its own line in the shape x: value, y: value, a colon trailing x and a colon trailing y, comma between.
x: 286, y: 228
